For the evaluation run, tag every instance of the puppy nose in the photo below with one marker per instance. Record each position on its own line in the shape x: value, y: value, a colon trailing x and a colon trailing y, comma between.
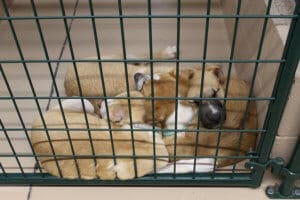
x: 212, y: 114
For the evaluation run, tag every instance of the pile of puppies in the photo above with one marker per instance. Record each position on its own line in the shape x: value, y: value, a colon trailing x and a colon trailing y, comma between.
x: 125, y: 154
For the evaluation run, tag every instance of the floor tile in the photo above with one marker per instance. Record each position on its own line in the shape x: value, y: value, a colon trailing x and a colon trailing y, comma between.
x: 14, y: 193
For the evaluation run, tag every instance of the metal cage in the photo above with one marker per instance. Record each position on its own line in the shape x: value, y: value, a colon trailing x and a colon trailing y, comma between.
x: 12, y: 169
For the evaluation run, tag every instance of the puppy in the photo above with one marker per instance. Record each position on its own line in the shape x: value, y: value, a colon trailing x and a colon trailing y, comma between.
x: 114, y: 150
x: 226, y: 143
x: 138, y: 77
x: 113, y: 74
x: 189, y: 79
x: 119, y: 113
x: 212, y: 115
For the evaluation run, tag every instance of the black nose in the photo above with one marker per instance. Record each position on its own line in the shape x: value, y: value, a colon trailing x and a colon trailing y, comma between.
x: 212, y: 114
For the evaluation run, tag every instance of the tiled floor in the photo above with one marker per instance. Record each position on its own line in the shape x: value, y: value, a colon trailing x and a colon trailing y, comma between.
x: 147, y: 193
x: 136, y: 33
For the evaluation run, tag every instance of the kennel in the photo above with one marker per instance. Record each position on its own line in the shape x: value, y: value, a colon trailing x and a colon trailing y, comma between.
x: 39, y: 40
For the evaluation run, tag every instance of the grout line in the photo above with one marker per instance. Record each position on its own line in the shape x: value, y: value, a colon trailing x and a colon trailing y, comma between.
x: 52, y: 85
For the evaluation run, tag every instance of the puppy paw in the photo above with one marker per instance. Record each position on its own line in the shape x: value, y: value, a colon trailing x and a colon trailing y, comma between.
x: 170, y: 52
x: 75, y: 105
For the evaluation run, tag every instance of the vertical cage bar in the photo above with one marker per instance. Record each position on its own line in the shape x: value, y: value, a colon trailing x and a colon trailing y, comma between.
x: 54, y: 83
x: 11, y: 146
x: 78, y: 80
x: 152, y: 88
x: 61, y: 54
x: 258, y: 56
x: 97, y: 45
x: 3, y: 170
x: 288, y: 185
x: 202, y: 81
x: 238, y: 9
x: 177, y: 80
x: 282, y: 86
x: 127, y: 82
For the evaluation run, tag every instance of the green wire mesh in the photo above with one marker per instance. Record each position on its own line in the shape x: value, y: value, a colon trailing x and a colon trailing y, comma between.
x: 36, y: 175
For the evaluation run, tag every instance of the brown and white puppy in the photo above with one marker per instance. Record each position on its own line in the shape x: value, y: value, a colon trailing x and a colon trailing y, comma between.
x: 211, y: 115
x: 189, y: 80
x: 118, y: 112
x: 226, y: 143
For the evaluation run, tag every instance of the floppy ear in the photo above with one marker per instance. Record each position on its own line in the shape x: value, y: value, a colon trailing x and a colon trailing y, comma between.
x: 217, y: 71
x: 139, y: 80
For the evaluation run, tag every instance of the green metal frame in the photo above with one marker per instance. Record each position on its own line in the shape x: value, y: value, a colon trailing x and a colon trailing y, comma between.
x: 290, y: 174
x: 259, y: 160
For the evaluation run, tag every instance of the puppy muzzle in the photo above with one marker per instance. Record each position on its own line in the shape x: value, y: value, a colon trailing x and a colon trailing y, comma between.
x: 212, y: 113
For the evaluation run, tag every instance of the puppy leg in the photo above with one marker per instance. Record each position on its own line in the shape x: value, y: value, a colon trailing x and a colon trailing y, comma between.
x: 168, y: 53
x: 75, y: 105
x: 187, y: 166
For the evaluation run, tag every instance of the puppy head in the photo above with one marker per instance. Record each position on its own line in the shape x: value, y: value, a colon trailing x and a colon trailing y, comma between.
x: 213, y: 83
x: 212, y: 112
x: 118, y: 109
x: 164, y: 85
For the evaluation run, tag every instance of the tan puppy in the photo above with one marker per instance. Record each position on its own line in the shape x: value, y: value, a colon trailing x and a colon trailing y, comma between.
x: 210, y: 116
x: 139, y: 77
x: 105, y: 167
x: 114, y: 76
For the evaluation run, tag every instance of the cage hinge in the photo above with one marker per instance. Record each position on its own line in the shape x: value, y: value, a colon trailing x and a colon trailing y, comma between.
x: 287, y: 190
x: 275, y: 163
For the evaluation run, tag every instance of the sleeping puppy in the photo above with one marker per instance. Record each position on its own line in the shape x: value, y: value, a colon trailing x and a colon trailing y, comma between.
x: 89, y: 76
x: 138, y: 78
x: 230, y: 143
x: 212, y: 114
x: 189, y: 79
x: 118, y: 113
x: 114, y: 150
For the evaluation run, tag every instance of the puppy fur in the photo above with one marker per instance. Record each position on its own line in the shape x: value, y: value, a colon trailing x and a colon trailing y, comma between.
x: 104, y: 168
x: 119, y: 107
x: 114, y: 76
x: 207, y: 142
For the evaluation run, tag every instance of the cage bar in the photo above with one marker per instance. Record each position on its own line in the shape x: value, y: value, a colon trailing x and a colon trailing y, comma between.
x: 127, y: 82
x: 97, y: 45
x: 183, y: 16
x: 11, y: 146
x: 260, y: 48
x: 152, y: 88
x: 202, y: 80
x: 218, y: 177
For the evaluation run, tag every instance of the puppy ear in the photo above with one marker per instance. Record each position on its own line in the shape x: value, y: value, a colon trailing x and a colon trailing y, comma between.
x: 217, y: 71
x: 139, y: 80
